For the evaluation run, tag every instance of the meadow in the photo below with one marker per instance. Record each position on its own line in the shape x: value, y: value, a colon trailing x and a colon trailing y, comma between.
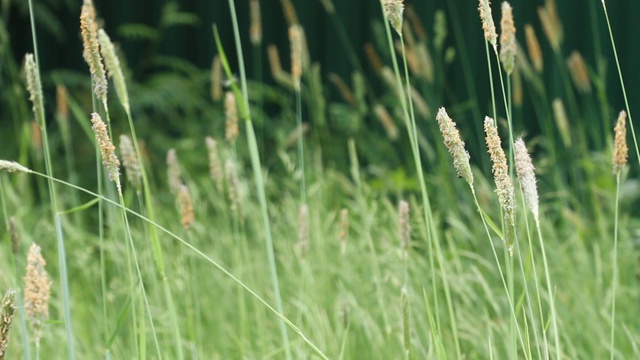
x: 383, y: 221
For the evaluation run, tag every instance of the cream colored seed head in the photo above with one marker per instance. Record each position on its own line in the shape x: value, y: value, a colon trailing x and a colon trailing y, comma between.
x: 455, y: 145
x: 620, y: 150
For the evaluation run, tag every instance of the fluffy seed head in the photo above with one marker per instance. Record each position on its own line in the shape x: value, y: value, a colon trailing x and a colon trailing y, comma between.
x: 114, y: 70
x: 231, y: 116
x: 34, y: 87
x: 533, y: 47
x: 504, y: 186
x: 295, y: 39
x: 526, y: 176
x: 12, y: 166
x: 455, y: 145
x: 507, y: 38
x: 488, y: 26
x: 130, y: 162
x: 255, y: 29
x: 187, y: 215
x: 393, y: 10
x: 387, y: 121
x: 37, y: 290
x: 91, y: 52
x: 107, y: 150
x: 562, y: 121
x: 6, y: 317
x: 620, y: 150
x: 579, y: 72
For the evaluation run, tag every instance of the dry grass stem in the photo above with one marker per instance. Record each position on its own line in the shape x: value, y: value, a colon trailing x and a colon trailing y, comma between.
x: 455, y: 145
x: 533, y: 47
x: 130, y: 163
x: 393, y: 10
x: 91, y: 52
x: 107, y: 150
x: 6, y: 317
x: 255, y: 29
x: 579, y: 72
x: 37, y: 291
x: 215, y: 167
x: 488, y: 26
x: 114, y: 70
x: 526, y: 176
x: 620, y: 150
x: 232, y: 130
x: 507, y: 38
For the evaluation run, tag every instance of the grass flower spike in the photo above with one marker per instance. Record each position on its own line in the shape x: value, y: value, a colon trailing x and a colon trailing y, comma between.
x: 107, y: 150
x: 37, y: 290
x: 488, y: 26
x: 114, y: 70
x: 455, y: 145
x: 533, y: 47
x: 393, y: 10
x: 526, y: 176
x: 130, y: 163
x: 91, y: 53
x: 620, y: 150
x: 34, y: 86
x: 6, y: 317
x: 500, y: 168
x: 231, y: 117
x: 295, y: 39
x: 507, y: 38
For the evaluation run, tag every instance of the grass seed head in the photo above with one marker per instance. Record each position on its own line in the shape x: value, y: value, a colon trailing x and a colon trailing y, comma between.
x: 405, y: 226
x: 231, y: 117
x: 455, y: 145
x: 533, y: 47
x: 526, y: 176
x: 174, y: 174
x: 91, y: 52
x: 6, y: 317
x: 233, y: 188
x: 37, y: 291
x: 12, y: 166
x: 130, y: 162
x: 216, y: 79
x: 107, y: 150
x: 303, y: 230
x: 295, y: 39
x: 187, y: 215
x: 507, y: 38
x: 504, y: 186
x: 114, y: 70
x: 620, y: 150
x: 393, y: 10
x: 562, y: 121
x: 255, y: 29
x: 488, y: 26
x: 34, y: 87
x: 579, y: 72
x: 387, y: 121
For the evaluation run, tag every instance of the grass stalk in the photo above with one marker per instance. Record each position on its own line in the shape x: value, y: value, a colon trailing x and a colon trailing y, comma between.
x: 40, y: 118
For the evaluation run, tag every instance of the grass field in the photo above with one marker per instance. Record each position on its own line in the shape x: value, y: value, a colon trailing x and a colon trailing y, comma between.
x: 362, y: 228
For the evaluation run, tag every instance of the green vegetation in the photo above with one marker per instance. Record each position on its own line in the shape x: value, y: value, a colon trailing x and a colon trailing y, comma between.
x: 332, y: 229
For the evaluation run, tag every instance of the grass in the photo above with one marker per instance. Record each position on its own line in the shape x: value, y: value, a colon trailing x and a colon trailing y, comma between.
x: 297, y: 253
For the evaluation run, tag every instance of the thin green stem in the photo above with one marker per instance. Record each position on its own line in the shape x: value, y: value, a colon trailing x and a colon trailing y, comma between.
x: 614, y: 262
